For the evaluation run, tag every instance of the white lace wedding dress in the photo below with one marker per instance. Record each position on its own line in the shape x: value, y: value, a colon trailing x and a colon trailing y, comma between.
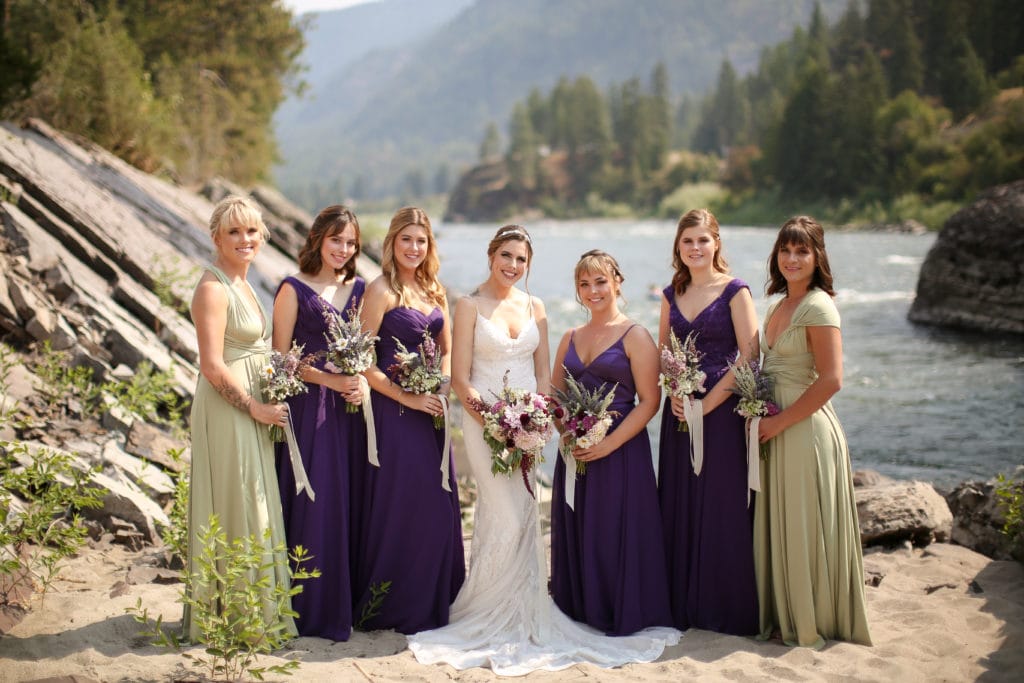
x: 503, y: 617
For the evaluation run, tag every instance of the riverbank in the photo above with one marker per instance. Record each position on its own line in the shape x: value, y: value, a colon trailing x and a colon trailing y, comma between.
x: 942, y: 613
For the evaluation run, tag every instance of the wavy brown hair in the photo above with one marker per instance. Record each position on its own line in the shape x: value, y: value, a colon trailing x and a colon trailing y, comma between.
x: 329, y: 222
x: 807, y: 232
x: 695, y: 218
x: 426, y: 272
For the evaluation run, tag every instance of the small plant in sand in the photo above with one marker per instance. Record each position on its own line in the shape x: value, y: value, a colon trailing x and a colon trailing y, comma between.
x: 239, y: 615
x: 175, y: 534
x: 371, y: 608
x: 1009, y: 493
x: 41, y: 494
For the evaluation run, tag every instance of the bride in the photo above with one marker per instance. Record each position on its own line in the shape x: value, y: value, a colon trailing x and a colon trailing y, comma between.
x: 503, y: 616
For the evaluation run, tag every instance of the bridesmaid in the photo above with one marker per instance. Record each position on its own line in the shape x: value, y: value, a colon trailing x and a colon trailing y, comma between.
x: 711, y: 583
x: 409, y: 529
x: 810, y: 573
x: 328, y: 437
x: 607, y: 551
x: 232, y: 471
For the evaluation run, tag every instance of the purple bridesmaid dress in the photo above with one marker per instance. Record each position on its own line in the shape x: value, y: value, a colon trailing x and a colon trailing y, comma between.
x: 328, y: 438
x: 608, y: 555
x: 408, y: 528
x: 708, y: 524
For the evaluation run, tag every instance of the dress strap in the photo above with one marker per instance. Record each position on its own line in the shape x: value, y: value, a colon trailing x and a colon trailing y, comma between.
x: 626, y: 332
x: 219, y: 274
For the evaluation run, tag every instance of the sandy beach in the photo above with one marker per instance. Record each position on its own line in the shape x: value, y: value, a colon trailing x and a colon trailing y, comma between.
x: 941, y: 613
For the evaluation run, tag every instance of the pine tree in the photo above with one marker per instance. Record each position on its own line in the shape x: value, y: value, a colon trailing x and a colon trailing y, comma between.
x: 660, y: 119
x: 490, y: 146
x: 966, y: 86
x: 522, y: 158
x: 803, y: 153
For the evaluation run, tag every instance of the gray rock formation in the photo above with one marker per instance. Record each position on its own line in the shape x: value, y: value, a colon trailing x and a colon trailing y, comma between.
x: 979, y: 520
x: 973, y: 276
x: 98, y: 259
x: 897, y: 511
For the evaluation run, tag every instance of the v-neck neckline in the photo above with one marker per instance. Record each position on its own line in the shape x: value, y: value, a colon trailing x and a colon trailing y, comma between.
x: 341, y: 310
x: 711, y: 303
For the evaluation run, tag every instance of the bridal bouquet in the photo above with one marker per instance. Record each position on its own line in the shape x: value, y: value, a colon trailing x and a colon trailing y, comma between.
x: 585, y: 416
x: 755, y: 391
x: 681, y: 375
x: 281, y: 379
x: 419, y: 371
x: 349, y: 348
x: 516, y: 427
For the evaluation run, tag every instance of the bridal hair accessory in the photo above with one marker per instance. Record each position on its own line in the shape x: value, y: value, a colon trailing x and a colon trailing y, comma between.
x: 515, y: 230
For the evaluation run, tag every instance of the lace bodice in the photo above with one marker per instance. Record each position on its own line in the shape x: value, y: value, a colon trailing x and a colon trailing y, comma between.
x: 494, y: 353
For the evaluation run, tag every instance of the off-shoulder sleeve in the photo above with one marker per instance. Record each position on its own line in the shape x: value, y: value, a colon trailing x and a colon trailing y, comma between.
x: 818, y: 310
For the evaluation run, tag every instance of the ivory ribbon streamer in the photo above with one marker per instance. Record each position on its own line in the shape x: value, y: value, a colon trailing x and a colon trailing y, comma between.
x: 301, y: 480
x: 570, y: 478
x: 446, y: 455
x: 371, y: 431
x: 693, y: 409
x: 753, y: 458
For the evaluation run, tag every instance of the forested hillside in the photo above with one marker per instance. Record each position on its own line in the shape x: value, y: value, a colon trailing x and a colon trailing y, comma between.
x: 885, y: 112
x: 407, y: 118
x: 183, y: 87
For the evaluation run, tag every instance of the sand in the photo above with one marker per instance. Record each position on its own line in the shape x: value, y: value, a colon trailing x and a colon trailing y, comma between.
x: 942, y: 613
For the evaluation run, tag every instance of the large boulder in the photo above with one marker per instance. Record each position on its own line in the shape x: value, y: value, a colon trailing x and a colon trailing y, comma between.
x: 899, y: 511
x: 973, y: 276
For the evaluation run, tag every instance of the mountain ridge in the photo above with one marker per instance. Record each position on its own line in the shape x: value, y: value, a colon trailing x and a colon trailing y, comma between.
x: 410, y: 103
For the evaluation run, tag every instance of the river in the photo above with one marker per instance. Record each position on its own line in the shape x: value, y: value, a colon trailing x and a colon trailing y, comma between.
x: 917, y: 402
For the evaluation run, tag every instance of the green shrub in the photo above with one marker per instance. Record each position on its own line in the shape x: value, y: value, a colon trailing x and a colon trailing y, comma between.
x: 236, y: 630
x: 175, y: 534
x: 1010, y: 496
x: 148, y: 393
x: 35, y: 540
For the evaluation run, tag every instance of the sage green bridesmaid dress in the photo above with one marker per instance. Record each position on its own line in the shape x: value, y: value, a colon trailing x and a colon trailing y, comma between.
x: 233, y: 473
x: 807, y: 551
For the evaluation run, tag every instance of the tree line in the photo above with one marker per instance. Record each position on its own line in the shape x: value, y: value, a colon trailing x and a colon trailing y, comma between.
x: 896, y: 97
x: 183, y: 87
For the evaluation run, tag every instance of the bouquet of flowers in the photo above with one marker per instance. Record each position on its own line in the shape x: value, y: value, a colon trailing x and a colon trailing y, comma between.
x: 281, y: 379
x: 516, y: 427
x: 585, y: 416
x: 681, y: 375
x: 349, y: 349
x: 419, y: 371
x: 755, y: 391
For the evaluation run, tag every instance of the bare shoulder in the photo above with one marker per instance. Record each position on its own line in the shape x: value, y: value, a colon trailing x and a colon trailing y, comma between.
x: 637, y: 337
x: 210, y: 290
x: 538, y: 307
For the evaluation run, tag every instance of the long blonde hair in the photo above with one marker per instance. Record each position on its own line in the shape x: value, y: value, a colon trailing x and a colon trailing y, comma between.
x: 426, y: 272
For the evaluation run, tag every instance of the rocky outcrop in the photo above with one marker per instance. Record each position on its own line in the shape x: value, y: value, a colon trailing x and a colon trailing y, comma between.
x: 979, y: 520
x: 973, y: 276
x: 99, y: 258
